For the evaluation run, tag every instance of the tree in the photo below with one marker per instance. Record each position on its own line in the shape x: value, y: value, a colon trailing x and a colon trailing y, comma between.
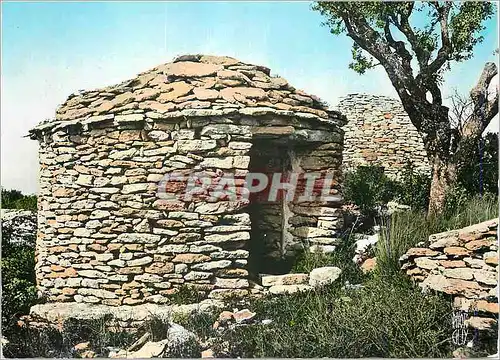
x: 415, y: 59
x: 15, y: 199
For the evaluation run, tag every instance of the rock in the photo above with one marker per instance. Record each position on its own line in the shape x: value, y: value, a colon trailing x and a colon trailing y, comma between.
x: 363, y: 246
x: 287, y: 279
x: 456, y: 250
x: 369, y: 265
x: 81, y: 346
x: 459, y: 273
x: 88, y: 354
x: 180, y: 341
x: 488, y: 307
x: 421, y: 252
x: 208, y: 353
x: 191, y: 69
x: 452, y: 286
x: 324, y: 275
x: 149, y: 350
x: 288, y: 289
x: 480, y: 323
x: 426, y: 263
x: 243, y: 316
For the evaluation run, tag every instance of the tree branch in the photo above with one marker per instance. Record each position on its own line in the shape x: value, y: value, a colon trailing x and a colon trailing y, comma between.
x: 485, y: 109
x: 446, y: 48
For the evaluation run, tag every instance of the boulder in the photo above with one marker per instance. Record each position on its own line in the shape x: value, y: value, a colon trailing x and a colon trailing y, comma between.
x: 324, y: 275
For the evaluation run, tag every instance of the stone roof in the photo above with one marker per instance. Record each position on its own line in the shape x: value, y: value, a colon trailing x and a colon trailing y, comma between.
x: 195, y: 85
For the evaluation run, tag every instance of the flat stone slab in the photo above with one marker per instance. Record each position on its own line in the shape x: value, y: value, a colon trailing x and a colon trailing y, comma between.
x: 57, y: 312
x: 287, y: 279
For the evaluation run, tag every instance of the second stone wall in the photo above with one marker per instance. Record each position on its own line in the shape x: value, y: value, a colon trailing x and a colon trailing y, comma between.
x: 379, y: 132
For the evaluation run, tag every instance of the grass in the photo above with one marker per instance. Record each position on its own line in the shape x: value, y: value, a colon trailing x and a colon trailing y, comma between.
x: 406, y: 229
x: 383, y: 319
x: 51, y: 342
x: 341, y: 258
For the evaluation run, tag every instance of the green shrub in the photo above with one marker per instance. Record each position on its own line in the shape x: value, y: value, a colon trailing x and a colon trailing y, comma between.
x: 157, y: 327
x: 462, y: 210
x: 399, y: 233
x: 383, y: 319
x: 413, y: 188
x: 368, y: 187
x: 18, y: 281
x: 469, y: 173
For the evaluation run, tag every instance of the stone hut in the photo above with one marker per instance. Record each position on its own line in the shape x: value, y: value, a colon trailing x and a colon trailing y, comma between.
x: 379, y: 132
x: 114, y: 229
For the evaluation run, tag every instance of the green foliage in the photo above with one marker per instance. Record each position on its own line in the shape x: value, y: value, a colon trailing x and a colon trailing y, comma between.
x: 199, y: 323
x: 414, y: 188
x: 157, y: 327
x: 462, y: 210
x: 368, y: 187
x: 386, y: 318
x: 399, y: 233
x: 18, y: 280
x: 469, y: 173
x: 464, y: 21
x: 14, y: 199
x: 341, y: 258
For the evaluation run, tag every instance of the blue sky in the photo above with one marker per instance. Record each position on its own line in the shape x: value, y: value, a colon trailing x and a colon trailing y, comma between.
x: 50, y: 50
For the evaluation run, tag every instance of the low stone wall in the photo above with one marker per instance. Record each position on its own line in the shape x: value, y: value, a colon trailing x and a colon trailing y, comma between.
x: 379, y: 132
x: 464, y: 264
x: 19, y: 226
x: 125, y: 317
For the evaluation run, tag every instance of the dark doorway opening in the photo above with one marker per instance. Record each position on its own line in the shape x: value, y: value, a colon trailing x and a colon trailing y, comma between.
x: 269, y: 218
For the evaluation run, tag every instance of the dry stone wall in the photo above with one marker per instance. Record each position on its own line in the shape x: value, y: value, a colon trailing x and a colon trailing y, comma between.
x: 464, y: 264
x: 379, y: 132
x: 106, y: 235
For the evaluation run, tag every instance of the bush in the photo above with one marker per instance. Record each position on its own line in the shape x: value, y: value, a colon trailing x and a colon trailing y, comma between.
x: 469, y: 175
x: 413, y: 188
x: 383, y: 319
x: 368, y: 187
x: 463, y: 210
x: 18, y: 281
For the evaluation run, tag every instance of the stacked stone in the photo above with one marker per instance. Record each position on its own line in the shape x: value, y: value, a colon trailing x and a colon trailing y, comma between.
x: 106, y: 236
x: 379, y: 132
x: 462, y: 263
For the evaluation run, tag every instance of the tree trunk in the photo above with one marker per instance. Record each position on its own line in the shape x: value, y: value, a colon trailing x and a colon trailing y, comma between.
x: 443, y: 178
